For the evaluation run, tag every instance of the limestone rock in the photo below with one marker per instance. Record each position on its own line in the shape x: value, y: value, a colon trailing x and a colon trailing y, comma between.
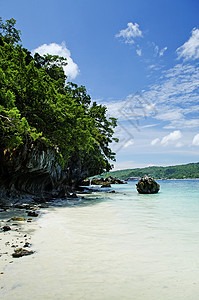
x: 147, y: 185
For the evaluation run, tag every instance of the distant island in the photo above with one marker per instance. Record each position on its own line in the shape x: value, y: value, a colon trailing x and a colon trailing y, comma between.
x: 185, y: 171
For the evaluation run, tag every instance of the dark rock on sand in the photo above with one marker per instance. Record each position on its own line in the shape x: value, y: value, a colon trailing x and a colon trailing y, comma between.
x: 27, y: 245
x: 147, y: 185
x: 19, y: 252
x: 6, y: 228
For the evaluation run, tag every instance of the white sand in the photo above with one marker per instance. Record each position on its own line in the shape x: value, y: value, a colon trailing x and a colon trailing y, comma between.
x: 19, y: 234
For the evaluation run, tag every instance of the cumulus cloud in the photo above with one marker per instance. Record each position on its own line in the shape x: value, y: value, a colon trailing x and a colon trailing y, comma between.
x: 173, y: 136
x: 195, y: 141
x: 132, y: 31
x: 155, y: 141
x: 190, y: 49
x: 71, y: 69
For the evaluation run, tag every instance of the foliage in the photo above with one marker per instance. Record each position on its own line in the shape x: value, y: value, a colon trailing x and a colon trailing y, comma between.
x: 36, y: 101
x: 178, y: 172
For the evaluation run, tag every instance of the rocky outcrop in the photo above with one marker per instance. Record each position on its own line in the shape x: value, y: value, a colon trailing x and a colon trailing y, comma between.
x: 32, y: 171
x: 110, y: 180
x: 147, y: 185
x: 85, y: 182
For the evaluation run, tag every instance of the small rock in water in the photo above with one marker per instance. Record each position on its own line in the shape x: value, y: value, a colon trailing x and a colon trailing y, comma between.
x: 147, y: 185
x: 33, y: 214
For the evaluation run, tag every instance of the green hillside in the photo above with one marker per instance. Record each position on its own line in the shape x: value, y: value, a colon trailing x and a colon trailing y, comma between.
x: 190, y: 170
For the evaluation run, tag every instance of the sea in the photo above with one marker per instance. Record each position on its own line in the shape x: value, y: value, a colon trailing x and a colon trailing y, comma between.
x: 113, y: 246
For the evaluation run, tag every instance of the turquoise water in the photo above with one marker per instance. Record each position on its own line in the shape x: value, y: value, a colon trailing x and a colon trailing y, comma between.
x: 114, y: 246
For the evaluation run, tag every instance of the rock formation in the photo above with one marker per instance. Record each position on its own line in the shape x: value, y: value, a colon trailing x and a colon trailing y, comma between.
x: 33, y: 172
x: 147, y: 185
x: 110, y: 180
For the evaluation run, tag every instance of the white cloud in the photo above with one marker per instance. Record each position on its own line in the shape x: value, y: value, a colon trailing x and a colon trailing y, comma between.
x: 190, y: 49
x: 161, y: 53
x: 157, y: 50
x: 71, y: 69
x: 195, y: 141
x: 139, y: 52
x: 128, y: 143
x: 173, y: 136
x: 155, y: 141
x: 175, y: 96
x: 132, y: 31
x: 170, y: 115
x: 179, y: 145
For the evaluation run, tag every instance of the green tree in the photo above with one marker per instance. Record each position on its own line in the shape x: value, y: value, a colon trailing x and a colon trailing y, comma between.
x: 36, y: 101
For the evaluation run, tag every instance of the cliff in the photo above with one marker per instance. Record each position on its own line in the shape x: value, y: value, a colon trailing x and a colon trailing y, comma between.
x: 32, y: 171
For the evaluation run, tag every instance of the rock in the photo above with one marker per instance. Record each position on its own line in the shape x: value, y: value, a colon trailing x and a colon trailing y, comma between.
x: 33, y: 214
x: 19, y: 252
x: 119, y: 181
x: 85, y: 182
x: 73, y: 195
x: 110, y: 179
x: 17, y: 219
x: 97, y: 181
x: 6, y: 228
x: 147, y: 185
x: 27, y: 245
x: 112, y: 192
x: 105, y: 185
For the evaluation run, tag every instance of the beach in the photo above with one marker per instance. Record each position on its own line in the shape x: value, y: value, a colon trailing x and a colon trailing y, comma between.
x: 16, y: 229
x: 111, y: 246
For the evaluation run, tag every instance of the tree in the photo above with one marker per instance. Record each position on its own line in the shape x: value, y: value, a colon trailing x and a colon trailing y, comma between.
x: 36, y: 101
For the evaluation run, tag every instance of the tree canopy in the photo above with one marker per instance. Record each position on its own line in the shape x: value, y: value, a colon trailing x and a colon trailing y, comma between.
x: 36, y: 101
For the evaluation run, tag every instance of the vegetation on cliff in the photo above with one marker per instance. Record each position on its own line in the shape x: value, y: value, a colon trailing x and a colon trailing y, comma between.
x: 36, y: 102
x: 178, y: 172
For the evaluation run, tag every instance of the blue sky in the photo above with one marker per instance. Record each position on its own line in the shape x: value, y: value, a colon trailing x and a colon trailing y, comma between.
x: 138, y: 57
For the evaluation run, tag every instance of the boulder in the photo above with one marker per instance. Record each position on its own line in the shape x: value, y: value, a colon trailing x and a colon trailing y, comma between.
x: 33, y: 214
x: 19, y: 252
x: 6, y: 228
x: 147, y: 185
x: 97, y: 181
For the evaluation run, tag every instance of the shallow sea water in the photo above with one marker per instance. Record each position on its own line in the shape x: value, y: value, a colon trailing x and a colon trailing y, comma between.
x: 114, y: 246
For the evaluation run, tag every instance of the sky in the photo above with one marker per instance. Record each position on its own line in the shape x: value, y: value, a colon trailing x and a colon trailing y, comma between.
x: 140, y: 58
